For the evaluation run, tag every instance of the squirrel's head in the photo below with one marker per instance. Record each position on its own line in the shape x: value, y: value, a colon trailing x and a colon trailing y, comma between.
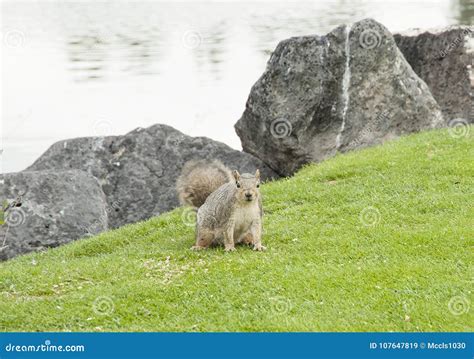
x: 247, y: 186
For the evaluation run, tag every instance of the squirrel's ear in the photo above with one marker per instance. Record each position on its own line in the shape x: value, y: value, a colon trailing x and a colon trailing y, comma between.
x: 236, y: 175
x: 257, y: 174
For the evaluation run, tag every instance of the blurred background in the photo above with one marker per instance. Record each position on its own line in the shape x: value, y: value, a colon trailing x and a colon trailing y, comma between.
x: 89, y: 68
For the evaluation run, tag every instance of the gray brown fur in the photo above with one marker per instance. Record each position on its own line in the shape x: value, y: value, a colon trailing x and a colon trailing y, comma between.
x: 232, y: 214
x: 198, y: 179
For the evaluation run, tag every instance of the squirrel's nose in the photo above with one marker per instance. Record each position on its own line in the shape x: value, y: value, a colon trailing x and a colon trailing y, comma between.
x: 248, y: 195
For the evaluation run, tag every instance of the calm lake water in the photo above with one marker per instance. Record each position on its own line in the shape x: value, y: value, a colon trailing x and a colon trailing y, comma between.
x: 88, y: 68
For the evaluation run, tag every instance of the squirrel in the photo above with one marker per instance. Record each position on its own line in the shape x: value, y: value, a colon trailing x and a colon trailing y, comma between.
x: 198, y: 179
x: 229, y: 205
x: 232, y: 214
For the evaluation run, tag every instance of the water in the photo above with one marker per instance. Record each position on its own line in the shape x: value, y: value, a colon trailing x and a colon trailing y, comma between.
x: 87, y: 68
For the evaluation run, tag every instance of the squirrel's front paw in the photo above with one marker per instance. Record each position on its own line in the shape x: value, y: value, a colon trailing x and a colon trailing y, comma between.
x: 197, y: 248
x: 259, y: 247
x: 230, y: 249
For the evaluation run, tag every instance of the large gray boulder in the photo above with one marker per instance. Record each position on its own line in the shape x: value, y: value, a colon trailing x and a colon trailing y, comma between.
x: 138, y: 171
x: 444, y: 58
x: 49, y: 208
x: 323, y: 94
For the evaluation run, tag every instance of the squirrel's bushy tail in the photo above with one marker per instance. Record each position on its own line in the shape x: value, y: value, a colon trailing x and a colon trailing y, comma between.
x: 198, y: 179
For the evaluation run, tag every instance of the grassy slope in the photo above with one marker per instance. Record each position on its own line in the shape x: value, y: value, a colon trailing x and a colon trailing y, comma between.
x: 324, y: 270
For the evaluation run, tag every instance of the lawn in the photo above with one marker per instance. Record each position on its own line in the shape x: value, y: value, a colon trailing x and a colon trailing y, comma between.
x: 374, y: 240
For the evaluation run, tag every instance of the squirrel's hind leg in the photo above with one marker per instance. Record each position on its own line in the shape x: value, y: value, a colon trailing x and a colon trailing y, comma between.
x: 204, y: 239
x: 247, y: 239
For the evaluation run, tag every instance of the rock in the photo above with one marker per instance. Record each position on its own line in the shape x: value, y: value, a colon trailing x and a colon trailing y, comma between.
x: 444, y: 58
x: 323, y: 94
x: 47, y: 209
x: 138, y: 171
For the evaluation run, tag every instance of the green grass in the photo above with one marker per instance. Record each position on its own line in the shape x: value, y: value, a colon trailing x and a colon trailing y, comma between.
x: 408, y: 268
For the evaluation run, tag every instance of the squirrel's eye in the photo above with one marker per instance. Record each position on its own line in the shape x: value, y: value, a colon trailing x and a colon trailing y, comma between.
x: 237, y: 184
x: 258, y: 185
